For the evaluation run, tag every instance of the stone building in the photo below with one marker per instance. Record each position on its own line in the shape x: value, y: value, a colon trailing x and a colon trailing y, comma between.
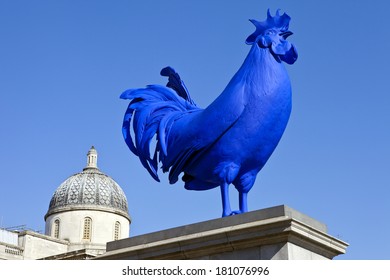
x: 86, y: 211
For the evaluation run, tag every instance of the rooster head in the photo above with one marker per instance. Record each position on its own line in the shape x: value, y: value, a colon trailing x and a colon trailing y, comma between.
x: 272, y: 34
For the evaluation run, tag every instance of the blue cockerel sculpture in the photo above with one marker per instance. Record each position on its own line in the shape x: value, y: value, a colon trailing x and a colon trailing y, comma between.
x: 230, y: 141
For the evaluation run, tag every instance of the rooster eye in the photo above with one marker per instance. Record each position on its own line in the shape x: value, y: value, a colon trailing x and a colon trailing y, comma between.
x: 270, y: 32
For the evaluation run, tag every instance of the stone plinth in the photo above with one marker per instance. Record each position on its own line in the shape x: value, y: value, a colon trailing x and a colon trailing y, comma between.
x: 277, y: 233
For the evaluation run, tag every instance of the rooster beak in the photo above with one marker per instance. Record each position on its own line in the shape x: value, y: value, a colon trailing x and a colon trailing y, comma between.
x: 286, y: 34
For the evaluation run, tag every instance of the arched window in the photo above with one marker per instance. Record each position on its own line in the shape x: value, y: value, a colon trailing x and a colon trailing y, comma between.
x: 117, y: 230
x: 87, y: 228
x: 56, y: 229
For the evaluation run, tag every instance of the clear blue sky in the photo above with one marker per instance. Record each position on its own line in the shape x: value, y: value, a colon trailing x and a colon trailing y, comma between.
x: 63, y: 65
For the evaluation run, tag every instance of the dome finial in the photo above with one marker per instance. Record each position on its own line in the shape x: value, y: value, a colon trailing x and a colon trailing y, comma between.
x: 91, y: 158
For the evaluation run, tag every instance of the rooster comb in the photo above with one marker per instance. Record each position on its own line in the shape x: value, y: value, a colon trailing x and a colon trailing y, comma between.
x: 280, y: 22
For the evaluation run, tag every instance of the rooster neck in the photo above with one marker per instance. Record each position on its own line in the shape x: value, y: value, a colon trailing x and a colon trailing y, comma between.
x: 262, y: 73
x: 260, y: 77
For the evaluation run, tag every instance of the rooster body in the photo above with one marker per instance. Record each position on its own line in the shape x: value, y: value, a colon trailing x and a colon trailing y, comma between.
x: 230, y: 141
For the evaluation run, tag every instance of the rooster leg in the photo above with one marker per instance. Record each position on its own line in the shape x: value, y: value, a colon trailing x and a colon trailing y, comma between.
x: 243, y: 202
x: 226, y: 210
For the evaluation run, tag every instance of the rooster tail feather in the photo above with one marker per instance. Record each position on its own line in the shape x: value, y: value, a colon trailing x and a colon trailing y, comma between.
x: 126, y: 130
x: 164, y: 128
x: 152, y: 111
x: 176, y: 83
x: 149, y: 164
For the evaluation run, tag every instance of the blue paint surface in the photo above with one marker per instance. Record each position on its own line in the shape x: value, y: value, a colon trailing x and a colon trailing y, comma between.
x: 231, y: 140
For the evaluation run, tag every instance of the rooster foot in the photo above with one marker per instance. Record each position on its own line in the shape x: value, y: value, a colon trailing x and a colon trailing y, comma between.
x: 231, y: 213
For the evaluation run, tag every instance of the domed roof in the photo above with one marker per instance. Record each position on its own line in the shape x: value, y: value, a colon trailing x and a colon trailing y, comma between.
x: 90, y: 189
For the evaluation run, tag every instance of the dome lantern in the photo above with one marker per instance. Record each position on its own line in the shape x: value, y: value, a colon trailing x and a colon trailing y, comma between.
x: 91, y: 158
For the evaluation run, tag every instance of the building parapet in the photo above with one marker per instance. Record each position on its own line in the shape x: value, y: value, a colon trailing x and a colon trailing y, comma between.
x: 9, y: 251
